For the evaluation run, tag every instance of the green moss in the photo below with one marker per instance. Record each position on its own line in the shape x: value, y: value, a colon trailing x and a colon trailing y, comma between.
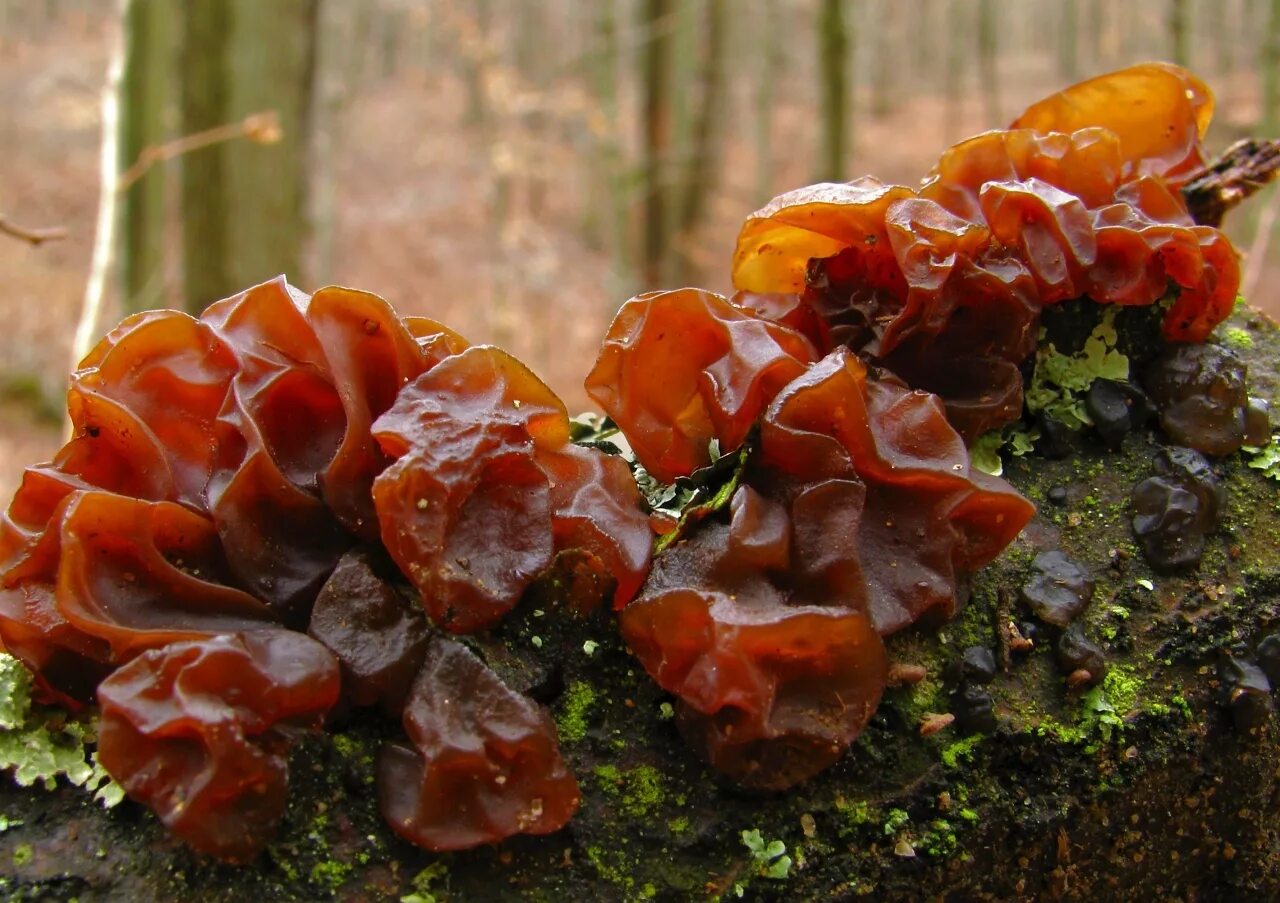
x: 678, y: 825
x: 895, y: 821
x: 424, y: 884
x: 1237, y: 338
x: 939, y: 839
x: 578, y: 700
x: 639, y: 791
x: 331, y: 875
x: 610, y: 864
x: 1122, y: 687
x: 961, y: 750
x: 22, y: 854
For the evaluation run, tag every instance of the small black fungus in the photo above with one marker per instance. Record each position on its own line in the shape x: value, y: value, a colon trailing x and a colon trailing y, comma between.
x: 1116, y: 407
x: 1058, y: 590
x: 1076, y: 652
x: 1269, y: 657
x: 1257, y: 422
x: 976, y: 665
x: 974, y: 709
x: 1174, y: 511
x: 1058, y: 495
x: 1246, y: 692
x: 1056, y: 438
x: 1199, y: 390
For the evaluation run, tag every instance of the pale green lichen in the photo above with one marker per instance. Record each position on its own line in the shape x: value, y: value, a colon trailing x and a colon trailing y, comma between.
x: 1016, y: 438
x: 1059, y: 381
x: 579, y: 697
x: 1266, y: 458
x: 769, y: 859
x: 39, y: 748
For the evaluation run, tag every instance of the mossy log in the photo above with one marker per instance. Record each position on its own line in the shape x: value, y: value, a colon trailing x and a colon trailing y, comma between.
x: 1139, y: 788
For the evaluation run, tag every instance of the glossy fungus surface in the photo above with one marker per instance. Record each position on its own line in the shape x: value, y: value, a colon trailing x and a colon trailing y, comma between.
x: 199, y: 732
x: 1176, y: 508
x: 484, y: 762
x: 928, y: 514
x: 219, y: 467
x: 1200, y: 392
x: 486, y: 488
x: 679, y: 369
x: 944, y: 285
x: 855, y: 515
x: 1059, y: 588
x: 374, y: 628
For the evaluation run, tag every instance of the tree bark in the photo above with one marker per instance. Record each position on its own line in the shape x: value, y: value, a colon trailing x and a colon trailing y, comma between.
x: 657, y: 20
x: 246, y: 207
x: 700, y: 173
x: 833, y: 84
x: 144, y: 108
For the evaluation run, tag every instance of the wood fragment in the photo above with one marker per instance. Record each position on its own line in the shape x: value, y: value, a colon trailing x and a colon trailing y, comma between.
x: 1241, y: 170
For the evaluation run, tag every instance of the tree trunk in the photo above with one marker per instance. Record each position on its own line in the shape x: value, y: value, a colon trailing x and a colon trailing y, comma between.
x: 1180, y: 31
x: 657, y: 20
x: 988, y: 63
x: 769, y: 59
x: 1271, y: 72
x: 701, y: 171
x: 145, y: 96
x: 1069, y: 40
x: 246, y: 207
x: 833, y: 84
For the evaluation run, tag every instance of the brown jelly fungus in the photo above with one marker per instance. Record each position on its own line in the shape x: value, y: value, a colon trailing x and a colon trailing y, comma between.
x: 944, y: 284
x: 483, y: 764
x: 374, y: 627
x: 200, y: 731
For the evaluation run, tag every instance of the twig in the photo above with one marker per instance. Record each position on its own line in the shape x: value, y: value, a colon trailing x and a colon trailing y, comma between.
x: 1257, y: 256
x: 261, y: 128
x: 35, y: 237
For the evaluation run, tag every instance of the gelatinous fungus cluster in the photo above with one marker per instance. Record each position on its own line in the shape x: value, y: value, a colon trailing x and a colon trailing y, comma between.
x: 220, y: 470
x: 276, y: 511
x: 944, y: 284
x: 855, y: 514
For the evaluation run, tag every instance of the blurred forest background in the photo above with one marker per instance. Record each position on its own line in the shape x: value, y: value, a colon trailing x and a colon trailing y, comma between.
x: 514, y: 168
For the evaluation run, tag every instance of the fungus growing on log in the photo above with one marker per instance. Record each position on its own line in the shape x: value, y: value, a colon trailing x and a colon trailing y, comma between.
x: 200, y: 731
x: 484, y: 765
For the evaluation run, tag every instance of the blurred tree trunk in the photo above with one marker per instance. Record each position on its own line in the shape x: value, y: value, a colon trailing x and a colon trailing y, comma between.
x: 656, y: 20
x: 888, y: 61
x: 700, y: 173
x: 988, y: 60
x: 608, y: 218
x: 246, y: 207
x: 1180, y: 31
x: 769, y: 58
x: 957, y: 41
x: 833, y: 83
x: 1069, y: 40
x: 1271, y: 72
x: 144, y: 103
